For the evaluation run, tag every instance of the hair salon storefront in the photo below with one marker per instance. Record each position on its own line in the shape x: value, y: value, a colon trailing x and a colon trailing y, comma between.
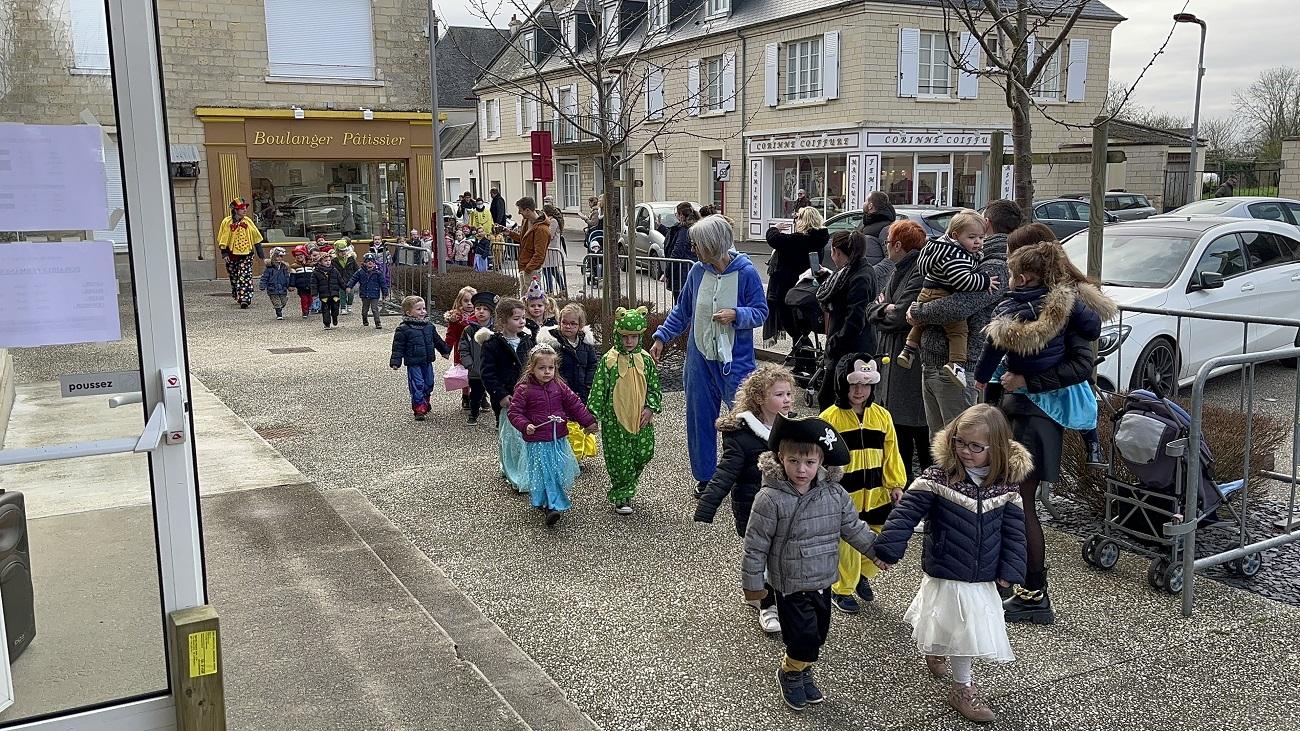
x: 330, y: 173
x: 838, y: 168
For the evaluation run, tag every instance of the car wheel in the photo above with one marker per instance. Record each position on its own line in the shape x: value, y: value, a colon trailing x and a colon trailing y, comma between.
x: 655, y: 268
x: 1156, y: 369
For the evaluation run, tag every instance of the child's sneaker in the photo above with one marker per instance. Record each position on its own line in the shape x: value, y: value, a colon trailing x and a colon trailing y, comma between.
x: 846, y: 603
x: 864, y: 590
x: 769, y: 620
x: 956, y: 373
x: 473, y: 419
x: 378, y: 326
x: 623, y: 509
x: 904, y: 358
x: 810, y: 689
x: 306, y: 315
x: 279, y: 317
x: 700, y: 488
x: 552, y: 516
x: 327, y: 327
x: 937, y: 665
x: 1096, y: 459
x: 966, y: 701
x: 792, y: 690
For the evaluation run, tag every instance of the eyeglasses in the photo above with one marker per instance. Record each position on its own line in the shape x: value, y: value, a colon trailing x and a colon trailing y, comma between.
x: 972, y: 447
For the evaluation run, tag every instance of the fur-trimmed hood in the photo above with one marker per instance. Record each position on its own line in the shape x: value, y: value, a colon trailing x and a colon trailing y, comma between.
x: 1020, y: 462
x: 483, y: 335
x: 1049, y: 312
x: 550, y: 334
x: 774, y: 475
x: 744, y: 420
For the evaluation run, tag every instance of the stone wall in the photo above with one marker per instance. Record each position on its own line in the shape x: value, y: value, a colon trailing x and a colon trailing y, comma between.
x: 1289, y: 185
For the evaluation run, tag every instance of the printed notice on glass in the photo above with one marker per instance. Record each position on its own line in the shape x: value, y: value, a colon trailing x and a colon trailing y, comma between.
x: 52, y: 178
x: 58, y: 294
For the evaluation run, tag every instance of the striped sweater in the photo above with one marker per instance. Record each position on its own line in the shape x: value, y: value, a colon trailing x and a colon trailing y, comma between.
x: 944, y: 264
x: 875, y: 464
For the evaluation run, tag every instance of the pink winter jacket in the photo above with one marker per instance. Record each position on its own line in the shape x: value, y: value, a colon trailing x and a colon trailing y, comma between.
x: 534, y: 403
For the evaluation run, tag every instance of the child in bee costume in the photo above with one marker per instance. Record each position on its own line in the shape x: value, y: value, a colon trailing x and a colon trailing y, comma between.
x: 625, y: 396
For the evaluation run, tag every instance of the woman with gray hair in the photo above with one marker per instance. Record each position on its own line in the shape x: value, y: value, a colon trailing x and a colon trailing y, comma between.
x: 719, y: 306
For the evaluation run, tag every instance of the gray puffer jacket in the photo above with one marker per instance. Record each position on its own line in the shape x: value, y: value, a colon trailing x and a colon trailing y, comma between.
x: 796, y: 538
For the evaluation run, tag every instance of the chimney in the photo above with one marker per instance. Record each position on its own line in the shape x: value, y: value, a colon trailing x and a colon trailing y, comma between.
x: 515, y: 25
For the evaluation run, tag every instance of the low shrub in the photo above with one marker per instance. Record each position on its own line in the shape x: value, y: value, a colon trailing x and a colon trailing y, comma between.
x: 1225, y: 432
x: 602, y: 324
x: 444, y: 287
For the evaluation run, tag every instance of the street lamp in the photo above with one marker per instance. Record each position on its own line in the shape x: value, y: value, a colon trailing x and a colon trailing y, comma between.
x: 1196, y: 111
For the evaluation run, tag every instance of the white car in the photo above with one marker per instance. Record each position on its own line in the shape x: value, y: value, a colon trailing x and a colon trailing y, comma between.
x: 651, y: 216
x: 1209, y: 265
x: 1282, y: 210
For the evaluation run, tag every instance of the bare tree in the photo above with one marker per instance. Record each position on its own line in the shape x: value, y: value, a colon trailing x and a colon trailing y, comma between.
x: 1223, y: 135
x: 624, y: 58
x: 1119, y: 107
x: 1271, y: 106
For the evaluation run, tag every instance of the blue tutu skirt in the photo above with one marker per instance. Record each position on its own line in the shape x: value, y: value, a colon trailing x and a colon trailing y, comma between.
x: 514, y: 458
x: 552, y: 468
x: 1073, y: 407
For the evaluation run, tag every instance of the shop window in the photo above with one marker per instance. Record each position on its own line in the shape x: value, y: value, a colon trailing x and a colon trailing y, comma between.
x: 934, y: 72
x: 300, y: 49
x: 968, y: 189
x: 299, y: 199
x: 803, y: 77
x: 569, y: 185
x: 897, y: 173
x: 89, y: 36
x: 713, y: 68
x: 820, y: 177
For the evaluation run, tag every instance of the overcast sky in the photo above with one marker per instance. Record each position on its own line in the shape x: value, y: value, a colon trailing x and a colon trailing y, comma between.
x: 1244, y: 38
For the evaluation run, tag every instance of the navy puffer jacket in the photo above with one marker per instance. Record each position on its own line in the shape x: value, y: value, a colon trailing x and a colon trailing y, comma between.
x: 972, y: 534
x: 373, y: 285
x: 1029, y: 327
x: 744, y: 439
x: 417, y: 342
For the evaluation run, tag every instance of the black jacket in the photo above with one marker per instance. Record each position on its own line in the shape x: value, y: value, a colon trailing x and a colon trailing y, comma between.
x: 303, y: 279
x: 498, y: 210
x: 415, y: 343
x: 744, y: 438
x: 677, y: 245
x: 328, y: 282
x: 847, y: 328
x: 900, y: 388
x: 874, y: 224
x: 577, y: 363
x: 790, y: 256
x: 501, y: 366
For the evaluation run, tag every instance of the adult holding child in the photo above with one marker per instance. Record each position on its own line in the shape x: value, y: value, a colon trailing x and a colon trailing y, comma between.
x: 718, y: 308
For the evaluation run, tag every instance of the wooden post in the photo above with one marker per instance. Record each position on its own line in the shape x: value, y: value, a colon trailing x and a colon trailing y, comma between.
x: 1097, y: 199
x: 629, y: 195
x: 997, y: 152
x: 194, y: 643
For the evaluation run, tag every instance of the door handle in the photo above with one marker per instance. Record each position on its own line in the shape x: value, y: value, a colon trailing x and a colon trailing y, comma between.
x: 1248, y: 287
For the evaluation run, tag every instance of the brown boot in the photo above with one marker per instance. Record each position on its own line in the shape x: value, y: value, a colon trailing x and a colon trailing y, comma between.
x: 966, y: 701
x: 937, y: 665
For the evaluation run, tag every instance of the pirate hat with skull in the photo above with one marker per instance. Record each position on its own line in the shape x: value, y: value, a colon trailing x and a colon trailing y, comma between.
x: 810, y: 430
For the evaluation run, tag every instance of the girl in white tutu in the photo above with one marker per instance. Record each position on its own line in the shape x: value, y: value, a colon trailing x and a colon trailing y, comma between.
x: 974, y: 541
x: 541, y: 408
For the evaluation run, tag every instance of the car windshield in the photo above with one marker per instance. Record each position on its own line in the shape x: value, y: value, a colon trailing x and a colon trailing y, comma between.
x: 1211, y: 206
x: 847, y: 222
x: 940, y: 220
x: 1132, y: 258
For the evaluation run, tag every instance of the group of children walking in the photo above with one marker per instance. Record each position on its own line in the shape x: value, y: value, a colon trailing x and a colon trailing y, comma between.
x: 326, y: 280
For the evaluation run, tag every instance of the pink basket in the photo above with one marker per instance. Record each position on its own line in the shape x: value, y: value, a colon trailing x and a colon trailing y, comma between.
x: 457, y: 378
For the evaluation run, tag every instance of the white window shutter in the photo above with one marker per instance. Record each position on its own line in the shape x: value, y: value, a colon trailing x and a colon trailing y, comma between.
x: 496, y: 119
x: 909, y: 61
x: 729, y: 81
x: 1031, y: 54
x: 693, y: 87
x: 831, y: 65
x: 654, y: 93
x: 616, y: 101
x: 771, y: 57
x: 482, y: 120
x: 519, y: 116
x: 535, y: 114
x: 1076, y: 74
x: 968, y: 84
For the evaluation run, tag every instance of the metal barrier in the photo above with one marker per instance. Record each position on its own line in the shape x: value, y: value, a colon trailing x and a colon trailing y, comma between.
x: 409, y: 271
x: 1184, y: 529
x: 651, y: 288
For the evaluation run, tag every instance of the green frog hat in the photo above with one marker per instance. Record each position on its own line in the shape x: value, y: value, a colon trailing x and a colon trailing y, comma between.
x: 630, y: 322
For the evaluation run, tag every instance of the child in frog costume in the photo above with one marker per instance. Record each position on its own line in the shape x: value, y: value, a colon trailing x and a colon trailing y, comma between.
x: 625, y: 396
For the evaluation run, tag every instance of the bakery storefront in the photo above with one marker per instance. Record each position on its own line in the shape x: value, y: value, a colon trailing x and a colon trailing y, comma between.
x: 330, y: 173
x: 838, y: 168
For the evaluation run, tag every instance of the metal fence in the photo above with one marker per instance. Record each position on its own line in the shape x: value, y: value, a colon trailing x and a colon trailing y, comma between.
x: 410, y: 272
x: 1253, y: 178
x: 655, y: 275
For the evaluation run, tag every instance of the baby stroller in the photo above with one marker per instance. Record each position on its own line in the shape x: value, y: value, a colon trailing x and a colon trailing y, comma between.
x: 591, y: 263
x: 1146, y: 487
x: 805, y: 325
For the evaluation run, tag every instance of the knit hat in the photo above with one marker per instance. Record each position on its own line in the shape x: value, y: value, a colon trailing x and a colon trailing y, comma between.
x: 810, y: 430
x: 485, y: 299
x: 535, y: 292
x: 630, y: 322
x: 341, y: 244
x: 855, y: 368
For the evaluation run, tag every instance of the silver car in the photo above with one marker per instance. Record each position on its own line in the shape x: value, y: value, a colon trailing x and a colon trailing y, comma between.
x: 934, y: 219
x: 1282, y: 210
x: 650, y: 218
x: 1124, y: 206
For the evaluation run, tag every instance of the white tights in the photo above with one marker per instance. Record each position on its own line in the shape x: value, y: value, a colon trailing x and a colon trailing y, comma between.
x: 961, y: 667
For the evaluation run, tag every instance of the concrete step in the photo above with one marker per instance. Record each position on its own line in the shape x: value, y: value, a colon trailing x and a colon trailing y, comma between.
x: 522, y: 683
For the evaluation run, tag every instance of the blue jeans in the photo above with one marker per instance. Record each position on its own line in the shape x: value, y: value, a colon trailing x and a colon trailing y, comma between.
x: 419, y: 379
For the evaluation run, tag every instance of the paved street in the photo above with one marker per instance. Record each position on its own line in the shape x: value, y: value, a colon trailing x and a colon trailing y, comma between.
x: 638, y: 619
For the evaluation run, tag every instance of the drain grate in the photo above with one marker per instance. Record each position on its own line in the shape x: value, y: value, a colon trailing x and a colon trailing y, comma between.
x: 277, y: 432
x: 284, y: 351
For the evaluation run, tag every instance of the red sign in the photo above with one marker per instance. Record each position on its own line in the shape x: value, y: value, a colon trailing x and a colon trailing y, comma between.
x: 543, y: 159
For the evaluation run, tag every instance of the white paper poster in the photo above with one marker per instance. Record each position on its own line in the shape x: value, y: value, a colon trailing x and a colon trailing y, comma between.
x: 52, y: 178
x: 57, y: 294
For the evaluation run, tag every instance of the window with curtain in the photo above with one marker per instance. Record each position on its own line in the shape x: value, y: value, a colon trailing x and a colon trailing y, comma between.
x: 89, y: 35
x: 302, y: 44
x: 1049, y: 83
x: 803, y: 78
x: 934, y: 72
x: 717, y: 7
x: 713, y: 68
x: 569, y: 185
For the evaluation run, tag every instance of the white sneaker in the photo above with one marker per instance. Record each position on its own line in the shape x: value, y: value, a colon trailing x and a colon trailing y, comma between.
x: 956, y: 373
x: 769, y: 621
x: 920, y: 527
x: 623, y: 509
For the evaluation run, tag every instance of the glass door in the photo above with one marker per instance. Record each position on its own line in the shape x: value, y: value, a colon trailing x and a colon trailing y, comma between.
x: 933, y: 185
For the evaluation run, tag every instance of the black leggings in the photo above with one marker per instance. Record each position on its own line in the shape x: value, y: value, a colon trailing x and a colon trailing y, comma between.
x: 329, y: 311
x: 1035, y: 550
x: 914, y: 444
x: 476, y: 394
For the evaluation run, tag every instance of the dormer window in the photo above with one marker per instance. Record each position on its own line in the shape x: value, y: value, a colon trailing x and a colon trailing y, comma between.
x: 609, y: 22
x: 717, y: 8
x: 529, y: 44
x: 658, y: 14
x: 569, y: 30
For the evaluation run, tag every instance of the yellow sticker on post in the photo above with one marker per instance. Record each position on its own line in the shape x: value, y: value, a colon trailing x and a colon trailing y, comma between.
x: 203, y: 653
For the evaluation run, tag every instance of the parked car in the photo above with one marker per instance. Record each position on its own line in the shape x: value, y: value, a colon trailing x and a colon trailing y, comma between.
x: 1283, y: 210
x: 1066, y: 215
x: 1204, y: 264
x: 1125, y: 206
x: 650, y: 217
x: 934, y: 219
x: 325, y: 213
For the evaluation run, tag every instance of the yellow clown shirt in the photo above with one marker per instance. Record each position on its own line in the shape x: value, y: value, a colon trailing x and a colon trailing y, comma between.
x: 238, y: 238
x: 875, y: 467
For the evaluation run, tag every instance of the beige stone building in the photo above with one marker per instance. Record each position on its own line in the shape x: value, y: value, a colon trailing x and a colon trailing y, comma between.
x: 836, y: 99
x: 316, y: 112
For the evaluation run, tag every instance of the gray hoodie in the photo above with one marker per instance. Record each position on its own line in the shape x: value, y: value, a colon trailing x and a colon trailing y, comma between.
x: 796, y: 538
x: 974, y: 307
